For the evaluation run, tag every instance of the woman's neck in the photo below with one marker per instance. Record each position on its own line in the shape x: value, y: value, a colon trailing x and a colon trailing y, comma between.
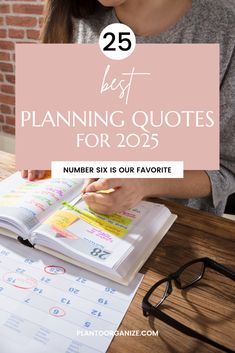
x: 151, y: 17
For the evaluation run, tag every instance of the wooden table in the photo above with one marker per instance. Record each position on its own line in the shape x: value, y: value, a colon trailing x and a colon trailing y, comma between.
x: 208, y: 307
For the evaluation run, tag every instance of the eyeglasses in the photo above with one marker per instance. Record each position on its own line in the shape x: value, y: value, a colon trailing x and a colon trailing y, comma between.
x: 184, y: 278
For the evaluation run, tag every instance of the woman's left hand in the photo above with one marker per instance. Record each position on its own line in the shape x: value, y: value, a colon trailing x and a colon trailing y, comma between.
x: 127, y: 193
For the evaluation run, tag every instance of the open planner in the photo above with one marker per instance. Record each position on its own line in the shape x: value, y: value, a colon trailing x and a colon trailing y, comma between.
x: 40, y: 214
x: 50, y: 300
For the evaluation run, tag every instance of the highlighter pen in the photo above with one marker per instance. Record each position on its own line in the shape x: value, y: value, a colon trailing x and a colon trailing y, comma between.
x: 76, y: 200
x: 79, y: 197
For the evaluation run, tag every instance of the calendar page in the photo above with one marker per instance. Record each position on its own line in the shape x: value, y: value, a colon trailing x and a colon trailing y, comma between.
x: 48, y: 305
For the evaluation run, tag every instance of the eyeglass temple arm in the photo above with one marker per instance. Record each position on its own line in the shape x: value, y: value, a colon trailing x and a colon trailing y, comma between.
x: 188, y: 331
x: 220, y: 268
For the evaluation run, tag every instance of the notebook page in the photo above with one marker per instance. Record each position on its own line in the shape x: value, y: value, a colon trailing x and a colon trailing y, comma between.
x: 28, y: 202
x: 48, y: 305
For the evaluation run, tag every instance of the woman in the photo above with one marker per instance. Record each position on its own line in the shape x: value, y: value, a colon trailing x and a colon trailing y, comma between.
x: 159, y: 21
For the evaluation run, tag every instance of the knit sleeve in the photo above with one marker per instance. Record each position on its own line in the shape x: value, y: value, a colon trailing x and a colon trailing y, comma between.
x: 223, y: 180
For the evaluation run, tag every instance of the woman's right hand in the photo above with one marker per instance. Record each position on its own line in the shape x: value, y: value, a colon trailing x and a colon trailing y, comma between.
x: 33, y: 174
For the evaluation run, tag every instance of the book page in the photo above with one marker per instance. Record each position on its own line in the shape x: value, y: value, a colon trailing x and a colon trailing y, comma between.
x: 48, y: 305
x: 28, y: 202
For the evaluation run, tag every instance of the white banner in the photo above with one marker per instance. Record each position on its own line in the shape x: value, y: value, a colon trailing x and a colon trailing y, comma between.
x: 112, y: 169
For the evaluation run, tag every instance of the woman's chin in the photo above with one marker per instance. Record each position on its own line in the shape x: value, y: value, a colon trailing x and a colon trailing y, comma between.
x: 112, y: 3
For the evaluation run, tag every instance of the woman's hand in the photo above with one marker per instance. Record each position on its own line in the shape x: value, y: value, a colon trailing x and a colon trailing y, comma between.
x: 33, y: 174
x: 127, y: 193
x: 87, y: 182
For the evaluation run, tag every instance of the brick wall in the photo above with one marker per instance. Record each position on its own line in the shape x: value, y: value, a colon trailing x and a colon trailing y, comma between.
x: 20, y: 21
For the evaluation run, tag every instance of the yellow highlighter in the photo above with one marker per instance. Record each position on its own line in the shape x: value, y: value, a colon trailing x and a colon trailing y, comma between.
x: 105, y: 191
x: 78, y: 198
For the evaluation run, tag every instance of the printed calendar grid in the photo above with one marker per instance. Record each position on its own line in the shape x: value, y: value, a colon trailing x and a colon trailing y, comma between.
x: 57, y: 301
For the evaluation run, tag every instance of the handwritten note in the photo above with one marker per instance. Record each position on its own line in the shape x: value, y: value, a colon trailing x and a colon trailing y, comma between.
x: 36, y: 196
x: 29, y: 202
x: 116, y: 224
x: 62, y: 219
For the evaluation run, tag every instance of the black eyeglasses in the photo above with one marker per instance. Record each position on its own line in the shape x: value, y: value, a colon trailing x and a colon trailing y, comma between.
x: 184, y: 278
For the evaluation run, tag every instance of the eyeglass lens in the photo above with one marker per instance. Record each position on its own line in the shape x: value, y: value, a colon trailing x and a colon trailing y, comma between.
x: 158, y: 295
x: 191, y: 274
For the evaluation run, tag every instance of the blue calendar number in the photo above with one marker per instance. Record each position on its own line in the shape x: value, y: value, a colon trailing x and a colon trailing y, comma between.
x: 65, y: 301
x: 11, y: 280
x: 103, y: 301
x: 20, y: 270
x: 81, y: 280
x: 110, y: 290
x: 53, y: 270
x: 38, y: 290
x: 45, y: 280
x: 56, y: 311
x: 74, y: 290
x: 87, y: 324
x: 96, y: 313
x: 4, y: 253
